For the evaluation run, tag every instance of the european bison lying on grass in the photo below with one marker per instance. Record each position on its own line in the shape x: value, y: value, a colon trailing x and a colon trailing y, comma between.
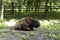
x: 27, y: 23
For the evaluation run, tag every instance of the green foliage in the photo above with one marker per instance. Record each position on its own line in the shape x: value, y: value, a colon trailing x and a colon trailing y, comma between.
x: 51, y: 25
x: 9, y: 1
x: 2, y: 25
x: 35, y: 8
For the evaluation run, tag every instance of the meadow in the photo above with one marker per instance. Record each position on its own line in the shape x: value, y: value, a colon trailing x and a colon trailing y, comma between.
x: 48, y: 28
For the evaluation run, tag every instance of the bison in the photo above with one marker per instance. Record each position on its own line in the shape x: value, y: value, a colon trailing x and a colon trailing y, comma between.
x: 27, y: 23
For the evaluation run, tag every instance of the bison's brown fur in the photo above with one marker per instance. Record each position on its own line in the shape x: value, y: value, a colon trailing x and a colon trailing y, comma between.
x: 26, y: 23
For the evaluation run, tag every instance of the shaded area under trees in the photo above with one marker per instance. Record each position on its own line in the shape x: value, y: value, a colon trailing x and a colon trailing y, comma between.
x: 44, y: 9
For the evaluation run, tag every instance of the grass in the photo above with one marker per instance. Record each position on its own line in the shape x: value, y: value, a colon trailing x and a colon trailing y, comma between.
x: 2, y: 25
x: 3, y: 31
x: 54, y: 36
x: 52, y: 25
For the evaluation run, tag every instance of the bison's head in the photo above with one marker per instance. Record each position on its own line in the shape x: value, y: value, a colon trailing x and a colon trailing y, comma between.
x: 34, y: 23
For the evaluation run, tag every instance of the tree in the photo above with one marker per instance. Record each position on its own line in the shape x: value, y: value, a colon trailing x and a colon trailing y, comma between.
x: 29, y: 4
x: 46, y: 9
x: 19, y: 6
x: 12, y: 5
x: 37, y: 5
x: 1, y: 9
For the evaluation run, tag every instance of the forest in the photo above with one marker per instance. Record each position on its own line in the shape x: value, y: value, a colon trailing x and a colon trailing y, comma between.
x: 47, y: 12
x: 43, y: 9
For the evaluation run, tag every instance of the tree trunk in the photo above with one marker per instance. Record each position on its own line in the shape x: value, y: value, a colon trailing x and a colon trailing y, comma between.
x: 50, y: 8
x: 28, y: 6
x: 1, y: 9
x: 46, y: 10
x: 12, y: 5
x: 19, y: 6
x: 37, y: 5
